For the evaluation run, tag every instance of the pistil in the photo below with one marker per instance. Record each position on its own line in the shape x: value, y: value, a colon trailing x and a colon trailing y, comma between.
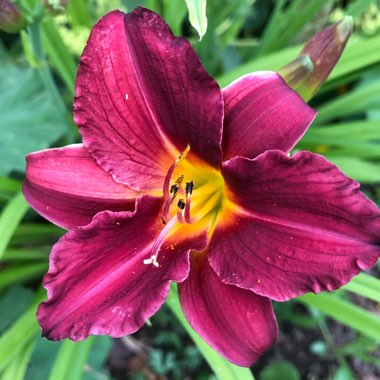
x: 158, y: 243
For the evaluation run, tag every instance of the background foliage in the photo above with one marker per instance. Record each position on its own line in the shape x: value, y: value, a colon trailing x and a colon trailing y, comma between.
x: 331, y: 335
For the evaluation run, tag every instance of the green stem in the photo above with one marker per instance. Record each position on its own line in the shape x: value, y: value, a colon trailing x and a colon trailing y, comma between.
x: 327, y: 336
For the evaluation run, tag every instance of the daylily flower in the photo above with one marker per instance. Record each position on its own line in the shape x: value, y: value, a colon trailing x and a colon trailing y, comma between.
x: 180, y: 181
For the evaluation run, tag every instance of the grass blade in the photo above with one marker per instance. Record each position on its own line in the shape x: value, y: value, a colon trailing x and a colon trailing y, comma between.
x: 21, y: 273
x: 20, y: 334
x: 10, y: 218
x: 353, y: 102
x: 71, y: 360
x: 366, y: 286
x: 344, y: 312
x: 197, y: 15
x: 17, y: 368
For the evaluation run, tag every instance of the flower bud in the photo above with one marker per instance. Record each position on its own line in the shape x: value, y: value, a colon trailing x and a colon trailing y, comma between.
x: 11, y: 19
x: 323, y: 52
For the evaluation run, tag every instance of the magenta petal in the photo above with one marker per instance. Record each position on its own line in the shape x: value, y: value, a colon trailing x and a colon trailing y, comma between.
x: 67, y: 187
x: 262, y: 113
x: 142, y: 95
x: 302, y: 226
x: 97, y: 281
x: 237, y: 323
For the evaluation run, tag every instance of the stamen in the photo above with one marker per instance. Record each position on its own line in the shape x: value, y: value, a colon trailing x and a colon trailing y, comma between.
x: 187, y: 209
x: 180, y: 158
x: 158, y: 243
x: 165, y: 209
x: 174, y: 189
x: 189, y: 191
x: 179, y: 180
x: 167, y: 189
x: 180, y: 216
x: 181, y: 204
x: 189, y: 187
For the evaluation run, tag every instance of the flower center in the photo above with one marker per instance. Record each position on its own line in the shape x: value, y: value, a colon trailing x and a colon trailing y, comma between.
x: 194, y: 197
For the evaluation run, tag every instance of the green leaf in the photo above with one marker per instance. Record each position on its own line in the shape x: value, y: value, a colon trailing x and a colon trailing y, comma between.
x: 71, y: 360
x: 36, y: 233
x: 98, y: 355
x: 286, y: 22
x: 358, y: 7
x: 344, y: 312
x: 197, y: 15
x: 58, y: 54
x: 42, y: 359
x: 174, y: 13
x: 25, y: 254
x: 10, y: 309
x: 10, y: 217
x: 355, y: 101
x: 366, y: 286
x: 363, y: 130
x: 20, y: 334
x: 358, y: 139
x: 78, y: 12
x: 283, y: 370
x: 9, y: 187
x: 223, y: 369
x: 343, y: 373
x: 361, y: 170
x: 21, y: 273
x: 29, y: 119
x: 17, y: 368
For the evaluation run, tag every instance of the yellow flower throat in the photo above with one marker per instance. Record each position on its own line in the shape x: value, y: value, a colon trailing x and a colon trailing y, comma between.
x: 195, y: 199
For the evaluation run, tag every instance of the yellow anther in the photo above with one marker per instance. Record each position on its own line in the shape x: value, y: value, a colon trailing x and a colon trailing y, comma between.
x: 183, y: 155
x: 179, y: 179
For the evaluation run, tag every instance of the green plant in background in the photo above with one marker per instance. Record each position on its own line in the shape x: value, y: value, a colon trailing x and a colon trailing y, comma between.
x: 36, y: 95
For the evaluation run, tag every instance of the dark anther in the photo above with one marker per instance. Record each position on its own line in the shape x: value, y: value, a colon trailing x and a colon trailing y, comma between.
x: 174, y: 189
x: 189, y: 187
x: 181, y: 204
x: 163, y: 220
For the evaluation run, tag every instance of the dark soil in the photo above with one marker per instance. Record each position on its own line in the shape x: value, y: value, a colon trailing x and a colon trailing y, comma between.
x: 131, y: 358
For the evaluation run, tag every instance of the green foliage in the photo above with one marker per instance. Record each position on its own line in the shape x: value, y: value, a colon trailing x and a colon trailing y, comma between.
x: 280, y: 370
x: 10, y: 217
x: 197, y: 15
x: 37, y: 75
x: 279, y: 32
x: 29, y: 118
x: 346, y: 312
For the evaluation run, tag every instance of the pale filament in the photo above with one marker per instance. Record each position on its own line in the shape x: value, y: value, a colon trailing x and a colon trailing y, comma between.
x: 158, y: 243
